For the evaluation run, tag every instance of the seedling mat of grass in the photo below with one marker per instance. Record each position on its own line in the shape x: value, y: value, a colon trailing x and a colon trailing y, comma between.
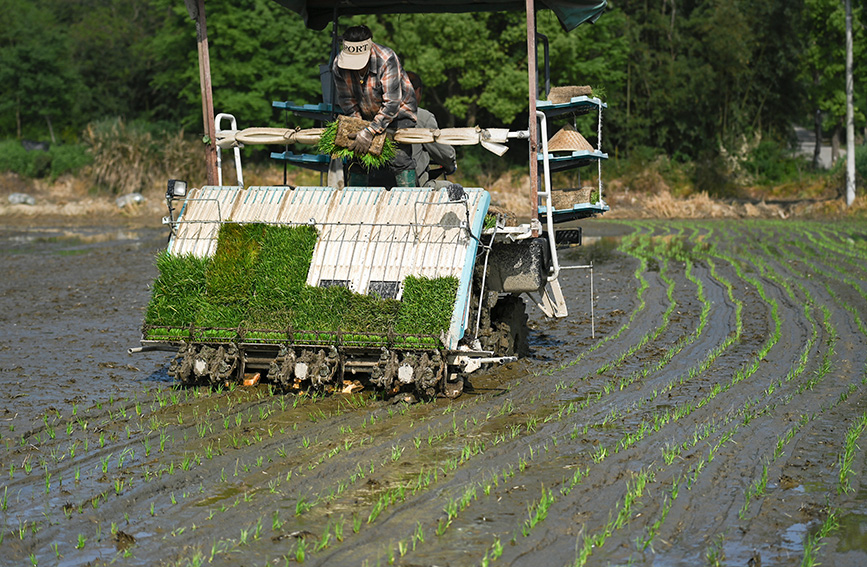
x: 255, y: 287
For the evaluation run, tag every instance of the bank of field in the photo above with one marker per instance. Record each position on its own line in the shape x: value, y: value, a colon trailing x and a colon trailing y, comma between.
x: 717, y: 417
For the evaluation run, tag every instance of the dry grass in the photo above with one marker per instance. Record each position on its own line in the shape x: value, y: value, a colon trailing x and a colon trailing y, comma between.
x: 636, y: 195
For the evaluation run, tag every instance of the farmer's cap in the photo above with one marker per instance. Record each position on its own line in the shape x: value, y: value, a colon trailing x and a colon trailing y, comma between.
x: 355, y: 54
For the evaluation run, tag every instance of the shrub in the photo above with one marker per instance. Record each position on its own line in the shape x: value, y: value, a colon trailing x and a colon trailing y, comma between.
x: 771, y: 162
x: 57, y: 160
x: 69, y: 158
x: 861, y: 163
x: 124, y: 156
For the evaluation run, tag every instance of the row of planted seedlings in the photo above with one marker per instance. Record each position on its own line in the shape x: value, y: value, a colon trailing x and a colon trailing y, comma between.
x: 393, y: 453
x: 758, y: 486
x: 116, y: 452
x: 537, y: 509
x: 450, y: 444
x: 626, y: 441
x: 463, y: 501
x: 830, y: 276
x: 384, y: 500
x: 643, y: 285
x: 652, y: 425
x: 397, y: 493
x: 79, y: 454
x: 192, y: 460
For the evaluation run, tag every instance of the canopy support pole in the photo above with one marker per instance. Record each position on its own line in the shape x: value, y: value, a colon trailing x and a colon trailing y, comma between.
x: 533, y: 131
x: 196, y: 8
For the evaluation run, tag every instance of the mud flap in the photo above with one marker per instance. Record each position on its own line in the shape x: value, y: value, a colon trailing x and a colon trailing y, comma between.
x: 453, y: 386
x: 551, y: 300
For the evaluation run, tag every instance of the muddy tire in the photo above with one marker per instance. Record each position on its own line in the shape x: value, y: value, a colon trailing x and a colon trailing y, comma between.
x: 509, y: 325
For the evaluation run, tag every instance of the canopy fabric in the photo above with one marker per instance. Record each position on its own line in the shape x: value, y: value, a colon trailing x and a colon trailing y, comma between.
x: 318, y: 13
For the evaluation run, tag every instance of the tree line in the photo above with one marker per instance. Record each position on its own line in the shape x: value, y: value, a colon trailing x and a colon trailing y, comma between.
x: 687, y: 78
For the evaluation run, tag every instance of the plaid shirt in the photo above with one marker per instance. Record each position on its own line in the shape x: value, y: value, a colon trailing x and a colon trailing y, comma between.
x: 382, y: 96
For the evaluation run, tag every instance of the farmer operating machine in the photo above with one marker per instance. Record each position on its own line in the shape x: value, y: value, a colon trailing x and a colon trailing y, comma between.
x: 407, y: 288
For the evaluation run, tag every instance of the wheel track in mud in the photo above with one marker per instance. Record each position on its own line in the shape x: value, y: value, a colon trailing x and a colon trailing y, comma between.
x: 528, y: 430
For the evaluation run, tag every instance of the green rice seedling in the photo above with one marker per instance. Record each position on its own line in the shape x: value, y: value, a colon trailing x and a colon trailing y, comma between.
x: 276, y: 524
x: 813, y: 543
x: 356, y: 523
x: 323, y: 541
x: 715, y: 554
x: 300, y: 551
x: 847, y: 456
x: 396, y: 452
x: 538, y: 512
x: 302, y: 506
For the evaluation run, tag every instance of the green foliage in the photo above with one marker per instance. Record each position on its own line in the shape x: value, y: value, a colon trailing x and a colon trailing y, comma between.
x: 68, y: 158
x: 59, y: 159
x: 771, y: 162
x: 37, y: 79
x: 685, y: 79
x: 861, y: 162
x: 259, y: 52
x: 256, y: 280
x: 824, y: 56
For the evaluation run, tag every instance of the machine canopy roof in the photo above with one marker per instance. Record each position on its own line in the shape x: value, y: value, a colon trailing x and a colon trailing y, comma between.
x: 317, y: 13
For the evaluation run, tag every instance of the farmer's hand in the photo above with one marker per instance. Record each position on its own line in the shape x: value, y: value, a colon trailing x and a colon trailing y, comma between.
x: 361, y: 141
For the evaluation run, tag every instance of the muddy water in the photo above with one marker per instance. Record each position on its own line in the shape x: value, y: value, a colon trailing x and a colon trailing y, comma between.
x: 704, y: 423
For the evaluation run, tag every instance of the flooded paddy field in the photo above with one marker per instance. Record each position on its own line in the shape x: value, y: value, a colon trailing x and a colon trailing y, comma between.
x: 716, y: 418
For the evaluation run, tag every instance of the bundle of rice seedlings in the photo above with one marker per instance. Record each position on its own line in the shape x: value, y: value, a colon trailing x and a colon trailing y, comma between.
x: 427, y: 304
x: 229, y: 278
x: 227, y: 314
x: 283, y: 262
x: 230, y: 275
x: 370, y: 314
x: 321, y: 309
x: 280, y: 275
x: 178, y: 291
x: 327, y: 145
x: 256, y: 280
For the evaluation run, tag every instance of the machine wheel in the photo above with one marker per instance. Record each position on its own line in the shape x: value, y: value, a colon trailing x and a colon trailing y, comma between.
x: 509, y: 327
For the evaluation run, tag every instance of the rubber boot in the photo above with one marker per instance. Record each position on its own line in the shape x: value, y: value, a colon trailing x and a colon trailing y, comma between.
x: 357, y: 179
x: 406, y: 178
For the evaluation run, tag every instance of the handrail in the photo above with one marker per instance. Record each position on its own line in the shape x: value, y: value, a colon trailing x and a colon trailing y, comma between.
x: 549, y: 213
x: 237, y: 150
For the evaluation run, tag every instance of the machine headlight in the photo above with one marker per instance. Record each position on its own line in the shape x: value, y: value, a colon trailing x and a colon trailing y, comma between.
x: 176, y: 188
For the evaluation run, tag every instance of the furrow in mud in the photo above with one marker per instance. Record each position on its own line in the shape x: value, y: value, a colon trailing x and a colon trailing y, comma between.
x: 710, y: 420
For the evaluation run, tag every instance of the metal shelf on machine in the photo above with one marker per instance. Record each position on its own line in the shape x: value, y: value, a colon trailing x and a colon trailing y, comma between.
x: 573, y: 159
x: 577, y: 105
